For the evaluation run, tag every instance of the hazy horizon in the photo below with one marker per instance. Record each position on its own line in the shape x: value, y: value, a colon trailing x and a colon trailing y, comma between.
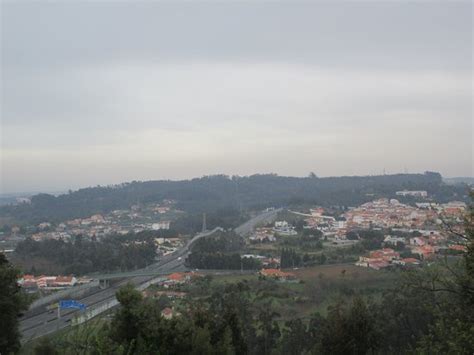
x: 104, y: 92
x: 75, y: 188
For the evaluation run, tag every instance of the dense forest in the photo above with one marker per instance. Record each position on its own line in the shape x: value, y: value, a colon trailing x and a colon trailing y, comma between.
x: 12, y: 303
x: 220, y: 252
x: 220, y: 192
x: 113, y: 253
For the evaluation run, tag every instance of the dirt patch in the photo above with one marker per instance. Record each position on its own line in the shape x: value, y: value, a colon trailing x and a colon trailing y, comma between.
x: 333, y: 271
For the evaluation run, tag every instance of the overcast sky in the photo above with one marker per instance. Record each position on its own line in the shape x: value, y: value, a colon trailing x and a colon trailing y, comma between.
x: 106, y: 92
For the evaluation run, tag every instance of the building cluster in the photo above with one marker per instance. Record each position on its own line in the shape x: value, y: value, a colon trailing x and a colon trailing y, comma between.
x: 385, y: 213
x: 329, y: 226
x: 179, y: 278
x: 451, y: 210
x: 381, y: 213
x: 270, y: 234
x: 262, y: 235
x: 277, y: 274
x: 165, y: 246
x: 423, y: 217
x: 383, y: 258
x: 267, y: 262
x: 423, y: 247
x: 412, y: 193
x: 390, y: 213
x: 32, y: 283
x: 137, y: 219
x: 283, y: 228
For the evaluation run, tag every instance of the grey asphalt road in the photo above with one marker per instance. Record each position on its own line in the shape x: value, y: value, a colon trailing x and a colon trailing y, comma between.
x: 46, y: 322
x: 36, y: 323
x: 262, y: 218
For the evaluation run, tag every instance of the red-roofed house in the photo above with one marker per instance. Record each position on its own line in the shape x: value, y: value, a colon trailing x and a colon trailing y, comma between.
x: 425, y: 251
x: 379, y: 259
x: 28, y: 278
x: 64, y: 281
x: 180, y: 278
x: 458, y: 247
x: 177, y: 276
x: 43, y: 280
x: 167, y: 313
x: 277, y: 274
x: 385, y: 254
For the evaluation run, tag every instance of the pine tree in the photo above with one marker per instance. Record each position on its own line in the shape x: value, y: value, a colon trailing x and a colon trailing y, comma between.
x: 12, y: 303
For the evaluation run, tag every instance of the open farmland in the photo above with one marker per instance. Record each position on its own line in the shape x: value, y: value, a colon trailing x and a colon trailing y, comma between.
x: 314, y: 288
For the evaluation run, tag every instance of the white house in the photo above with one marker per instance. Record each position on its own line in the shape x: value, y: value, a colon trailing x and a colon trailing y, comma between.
x: 161, y: 225
x: 412, y: 193
x: 393, y: 240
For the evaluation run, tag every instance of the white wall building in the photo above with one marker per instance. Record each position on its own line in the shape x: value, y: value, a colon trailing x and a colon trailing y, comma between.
x: 412, y: 193
x: 161, y: 225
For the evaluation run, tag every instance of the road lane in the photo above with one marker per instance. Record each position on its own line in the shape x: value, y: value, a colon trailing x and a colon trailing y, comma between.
x: 47, y: 322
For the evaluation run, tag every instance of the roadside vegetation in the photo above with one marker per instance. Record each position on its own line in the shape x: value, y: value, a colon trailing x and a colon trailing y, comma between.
x: 321, y: 309
x: 82, y: 256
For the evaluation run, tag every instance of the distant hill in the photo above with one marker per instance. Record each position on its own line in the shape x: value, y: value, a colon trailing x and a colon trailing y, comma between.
x: 220, y: 192
x: 459, y: 180
x: 16, y: 197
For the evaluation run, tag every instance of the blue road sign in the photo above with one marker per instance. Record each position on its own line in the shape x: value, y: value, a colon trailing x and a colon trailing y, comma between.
x: 71, y: 304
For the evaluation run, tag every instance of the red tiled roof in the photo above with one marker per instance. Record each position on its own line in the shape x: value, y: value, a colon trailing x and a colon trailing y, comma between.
x: 167, y: 311
x: 458, y: 247
x: 177, y: 276
x: 411, y: 260
x: 63, y: 279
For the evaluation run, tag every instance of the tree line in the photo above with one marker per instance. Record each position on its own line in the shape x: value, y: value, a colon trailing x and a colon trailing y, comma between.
x: 231, y: 194
x: 82, y: 256
x: 221, y: 251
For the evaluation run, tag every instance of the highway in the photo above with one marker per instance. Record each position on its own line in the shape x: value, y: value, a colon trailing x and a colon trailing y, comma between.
x: 262, y: 218
x: 39, y: 322
x: 34, y: 324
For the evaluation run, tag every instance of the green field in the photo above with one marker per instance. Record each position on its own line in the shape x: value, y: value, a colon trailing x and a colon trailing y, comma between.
x: 316, y: 288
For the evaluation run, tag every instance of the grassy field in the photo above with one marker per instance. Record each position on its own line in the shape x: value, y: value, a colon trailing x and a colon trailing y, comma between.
x: 336, y: 272
x: 317, y: 287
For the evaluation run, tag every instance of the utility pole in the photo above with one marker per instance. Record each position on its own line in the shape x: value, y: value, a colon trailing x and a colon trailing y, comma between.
x: 59, y: 315
x: 204, y: 227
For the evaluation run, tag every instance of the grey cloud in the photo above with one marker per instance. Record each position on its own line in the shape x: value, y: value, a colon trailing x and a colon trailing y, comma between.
x: 388, y: 34
x: 141, y: 90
